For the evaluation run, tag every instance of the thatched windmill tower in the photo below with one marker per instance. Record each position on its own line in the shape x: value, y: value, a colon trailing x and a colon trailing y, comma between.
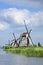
x: 25, y: 37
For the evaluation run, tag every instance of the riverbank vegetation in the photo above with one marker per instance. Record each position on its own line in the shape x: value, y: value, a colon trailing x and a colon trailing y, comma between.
x: 27, y: 51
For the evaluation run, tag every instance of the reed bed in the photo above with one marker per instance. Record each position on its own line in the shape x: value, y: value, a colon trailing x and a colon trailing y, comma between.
x: 27, y: 51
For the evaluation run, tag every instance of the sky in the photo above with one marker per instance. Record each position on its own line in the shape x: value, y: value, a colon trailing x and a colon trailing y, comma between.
x: 12, y: 16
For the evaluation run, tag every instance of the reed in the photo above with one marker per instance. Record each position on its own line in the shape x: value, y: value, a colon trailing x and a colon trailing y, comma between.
x: 27, y: 51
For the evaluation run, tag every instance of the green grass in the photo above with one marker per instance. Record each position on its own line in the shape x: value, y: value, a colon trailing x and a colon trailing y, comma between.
x: 27, y: 51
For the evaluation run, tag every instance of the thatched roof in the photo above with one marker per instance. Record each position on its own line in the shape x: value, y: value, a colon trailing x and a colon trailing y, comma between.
x: 24, y: 34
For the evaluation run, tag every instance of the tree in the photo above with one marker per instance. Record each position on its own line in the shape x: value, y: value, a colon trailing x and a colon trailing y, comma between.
x: 39, y: 44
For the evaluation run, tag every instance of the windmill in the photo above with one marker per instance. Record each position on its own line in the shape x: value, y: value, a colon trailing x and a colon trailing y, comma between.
x: 14, y: 41
x: 25, y: 37
x: 28, y: 34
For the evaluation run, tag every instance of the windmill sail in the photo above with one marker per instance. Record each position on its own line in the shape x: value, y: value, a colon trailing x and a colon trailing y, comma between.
x: 14, y: 36
x: 30, y: 39
x: 30, y: 31
x: 25, y: 26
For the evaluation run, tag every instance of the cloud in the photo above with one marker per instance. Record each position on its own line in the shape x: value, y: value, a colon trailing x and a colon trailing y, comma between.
x: 3, y: 25
x: 32, y: 3
x: 18, y: 16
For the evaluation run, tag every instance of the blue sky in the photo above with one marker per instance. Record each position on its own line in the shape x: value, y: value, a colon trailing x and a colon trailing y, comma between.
x: 12, y: 16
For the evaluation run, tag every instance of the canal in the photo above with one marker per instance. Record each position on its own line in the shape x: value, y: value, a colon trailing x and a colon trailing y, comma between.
x: 13, y: 59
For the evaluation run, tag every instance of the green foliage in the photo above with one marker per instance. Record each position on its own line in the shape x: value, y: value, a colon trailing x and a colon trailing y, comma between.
x: 7, y: 47
x: 34, y: 45
x: 27, y: 51
x: 39, y: 44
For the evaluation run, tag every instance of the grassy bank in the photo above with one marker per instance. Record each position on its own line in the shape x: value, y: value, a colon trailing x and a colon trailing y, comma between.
x: 27, y: 51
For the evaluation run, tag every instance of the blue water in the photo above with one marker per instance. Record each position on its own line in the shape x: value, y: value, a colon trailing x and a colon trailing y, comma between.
x: 12, y: 59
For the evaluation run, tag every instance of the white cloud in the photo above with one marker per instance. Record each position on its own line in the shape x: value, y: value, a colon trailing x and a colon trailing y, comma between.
x: 32, y: 3
x: 18, y: 16
x: 3, y: 25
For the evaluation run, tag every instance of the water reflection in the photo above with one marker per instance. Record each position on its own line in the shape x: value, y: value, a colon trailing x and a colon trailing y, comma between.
x: 10, y: 59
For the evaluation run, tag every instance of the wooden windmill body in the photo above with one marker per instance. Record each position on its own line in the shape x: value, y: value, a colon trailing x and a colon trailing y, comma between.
x: 24, y: 40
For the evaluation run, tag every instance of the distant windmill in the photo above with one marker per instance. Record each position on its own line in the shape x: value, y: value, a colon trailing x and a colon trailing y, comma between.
x: 14, y: 42
x: 9, y: 42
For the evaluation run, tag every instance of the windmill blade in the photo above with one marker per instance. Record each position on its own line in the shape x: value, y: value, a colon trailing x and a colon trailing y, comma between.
x: 25, y: 26
x: 30, y: 31
x: 14, y: 36
x: 30, y: 39
x: 18, y: 38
